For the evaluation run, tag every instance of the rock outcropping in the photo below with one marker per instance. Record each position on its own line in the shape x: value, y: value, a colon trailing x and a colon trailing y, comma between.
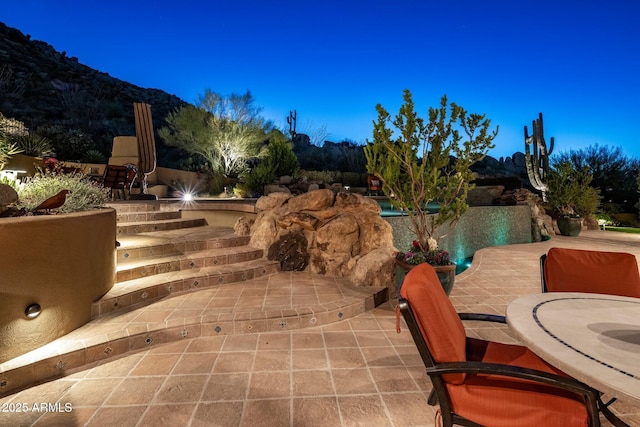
x: 324, y: 232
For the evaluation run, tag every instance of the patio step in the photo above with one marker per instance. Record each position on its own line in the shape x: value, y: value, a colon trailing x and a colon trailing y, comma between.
x: 146, y: 267
x: 143, y: 291
x: 129, y: 207
x: 126, y: 228
x: 178, y: 241
x: 154, y: 215
x: 160, y: 254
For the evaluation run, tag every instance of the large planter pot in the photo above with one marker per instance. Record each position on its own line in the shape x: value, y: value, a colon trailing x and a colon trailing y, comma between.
x: 446, y: 274
x: 569, y: 226
x: 54, y: 265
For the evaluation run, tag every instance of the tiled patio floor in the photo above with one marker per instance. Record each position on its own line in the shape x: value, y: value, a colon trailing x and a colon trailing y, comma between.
x: 356, y: 372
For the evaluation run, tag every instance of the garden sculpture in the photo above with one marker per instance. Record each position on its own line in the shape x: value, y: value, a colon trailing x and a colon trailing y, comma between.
x: 53, y: 202
x: 537, y: 158
x: 146, y: 143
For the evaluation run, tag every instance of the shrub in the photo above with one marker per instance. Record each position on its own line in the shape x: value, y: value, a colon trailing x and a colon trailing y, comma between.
x: 84, y: 193
x: 34, y: 145
x: 279, y: 161
x: 569, y: 190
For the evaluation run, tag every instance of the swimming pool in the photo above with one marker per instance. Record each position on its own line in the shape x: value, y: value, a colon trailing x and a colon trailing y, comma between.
x: 389, y: 210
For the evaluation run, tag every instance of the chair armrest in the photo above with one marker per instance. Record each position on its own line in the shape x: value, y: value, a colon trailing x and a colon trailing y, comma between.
x: 484, y: 317
x: 542, y: 377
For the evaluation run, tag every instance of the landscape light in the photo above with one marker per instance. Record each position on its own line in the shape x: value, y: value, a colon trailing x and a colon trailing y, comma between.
x: 32, y: 311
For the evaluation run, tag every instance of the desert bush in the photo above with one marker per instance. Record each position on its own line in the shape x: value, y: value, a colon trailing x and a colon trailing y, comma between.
x: 84, y: 193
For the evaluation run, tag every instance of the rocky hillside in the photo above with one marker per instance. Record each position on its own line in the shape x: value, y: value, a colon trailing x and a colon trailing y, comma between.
x: 60, y: 98
x: 45, y: 88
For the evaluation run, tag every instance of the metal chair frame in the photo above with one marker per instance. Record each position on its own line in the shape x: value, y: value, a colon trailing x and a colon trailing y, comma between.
x: 437, y: 370
x: 120, y: 178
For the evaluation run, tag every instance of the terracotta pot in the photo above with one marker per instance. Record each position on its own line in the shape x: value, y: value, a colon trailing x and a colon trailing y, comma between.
x: 446, y: 274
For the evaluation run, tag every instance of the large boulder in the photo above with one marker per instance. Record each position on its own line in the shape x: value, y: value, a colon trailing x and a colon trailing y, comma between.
x: 291, y: 251
x: 336, y: 243
x: 374, y: 269
x: 312, y: 201
x: 272, y: 201
x: 264, y: 231
x: 324, y: 232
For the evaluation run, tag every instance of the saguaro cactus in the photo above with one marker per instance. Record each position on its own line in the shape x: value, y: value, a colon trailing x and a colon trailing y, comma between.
x: 537, y: 156
x: 291, y: 120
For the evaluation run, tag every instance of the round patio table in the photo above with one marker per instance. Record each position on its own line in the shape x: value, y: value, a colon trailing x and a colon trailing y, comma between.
x: 594, y: 338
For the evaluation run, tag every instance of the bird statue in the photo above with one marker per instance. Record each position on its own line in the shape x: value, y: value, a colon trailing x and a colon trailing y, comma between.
x: 53, y: 202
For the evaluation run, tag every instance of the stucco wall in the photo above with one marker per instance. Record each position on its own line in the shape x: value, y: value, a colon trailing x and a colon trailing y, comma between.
x: 61, y: 262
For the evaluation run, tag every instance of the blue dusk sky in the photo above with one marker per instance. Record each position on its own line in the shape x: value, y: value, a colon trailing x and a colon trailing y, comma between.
x: 577, y: 62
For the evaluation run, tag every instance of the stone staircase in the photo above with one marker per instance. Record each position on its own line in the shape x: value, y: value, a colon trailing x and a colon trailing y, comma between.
x: 161, y: 253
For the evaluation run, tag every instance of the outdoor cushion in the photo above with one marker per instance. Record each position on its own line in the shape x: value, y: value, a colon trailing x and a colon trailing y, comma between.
x: 577, y: 270
x: 510, y: 398
x: 437, y: 319
x: 491, y: 400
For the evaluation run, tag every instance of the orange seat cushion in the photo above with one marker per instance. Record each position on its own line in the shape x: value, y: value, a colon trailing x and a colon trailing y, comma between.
x: 438, y: 321
x: 494, y: 400
x: 577, y: 270
x: 490, y: 400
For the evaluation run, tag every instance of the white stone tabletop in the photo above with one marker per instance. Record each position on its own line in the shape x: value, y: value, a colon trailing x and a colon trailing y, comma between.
x: 594, y: 338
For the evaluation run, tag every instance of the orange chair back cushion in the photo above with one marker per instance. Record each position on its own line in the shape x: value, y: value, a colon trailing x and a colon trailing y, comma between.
x: 576, y: 270
x: 437, y: 319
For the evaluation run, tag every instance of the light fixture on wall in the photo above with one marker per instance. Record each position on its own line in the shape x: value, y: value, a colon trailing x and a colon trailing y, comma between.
x: 32, y: 311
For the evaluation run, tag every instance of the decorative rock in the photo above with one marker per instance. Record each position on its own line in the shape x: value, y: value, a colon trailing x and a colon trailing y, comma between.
x: 374, y: 232
x: 312, y: 201
x: 313, y: 187
x: 242, y: 227
x: 264, y: 231
x: 285, y: 180
x: 375, y: 268
x: 305, y: 221
x: 7, y: 196
x: 354, y: 203
x: 275, y: 188
x: 339, y: 233
x: 323, y: 215
x: 272, y: 201
x: 291, y: 251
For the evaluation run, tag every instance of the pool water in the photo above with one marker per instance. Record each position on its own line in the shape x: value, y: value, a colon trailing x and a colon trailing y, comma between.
x: 389, y: 210
x: 463, y: 265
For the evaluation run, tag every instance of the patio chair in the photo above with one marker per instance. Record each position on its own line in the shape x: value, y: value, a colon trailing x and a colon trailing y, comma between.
x: 578, y: 270
x: 374, y: 185
x: 119, y: 178
x: 480, y: 382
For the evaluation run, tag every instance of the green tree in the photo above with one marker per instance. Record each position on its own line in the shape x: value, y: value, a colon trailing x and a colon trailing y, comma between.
x: 569, y: 189
x: 414, y: 161
x: 279, y: 160
x: 613, y: 172
x: 10, y: 131
x: 226, y: 131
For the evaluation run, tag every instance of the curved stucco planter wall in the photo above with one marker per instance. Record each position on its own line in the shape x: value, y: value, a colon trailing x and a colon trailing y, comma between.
x: 62, y: 263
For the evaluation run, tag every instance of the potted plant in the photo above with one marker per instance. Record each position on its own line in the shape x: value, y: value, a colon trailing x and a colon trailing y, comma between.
x: 571, y: 196
x: 425, y: 162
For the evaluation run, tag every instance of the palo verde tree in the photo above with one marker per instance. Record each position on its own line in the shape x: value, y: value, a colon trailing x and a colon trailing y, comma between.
x: 421, y: 161
x: 226, y: 131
